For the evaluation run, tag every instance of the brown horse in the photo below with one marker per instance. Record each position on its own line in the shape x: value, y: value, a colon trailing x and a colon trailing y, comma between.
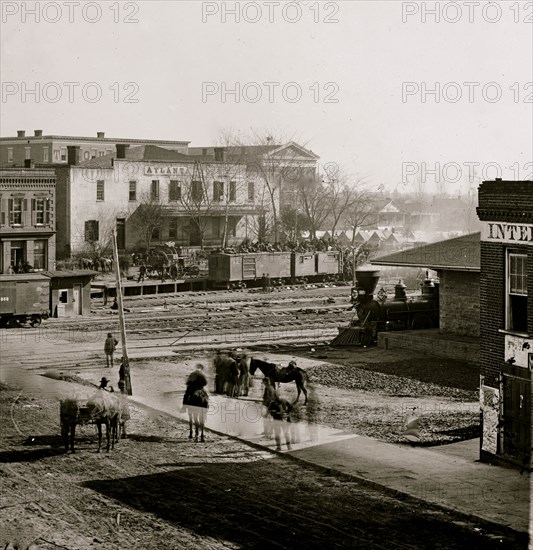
x: 95, y: 411
x: 284, y: 375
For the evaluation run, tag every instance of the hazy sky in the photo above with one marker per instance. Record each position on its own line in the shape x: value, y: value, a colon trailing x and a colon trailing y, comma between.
x: 360, y: 68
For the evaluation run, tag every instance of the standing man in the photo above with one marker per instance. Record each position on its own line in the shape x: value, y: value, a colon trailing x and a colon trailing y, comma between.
x: 269, y: 395
x: 109, y: 348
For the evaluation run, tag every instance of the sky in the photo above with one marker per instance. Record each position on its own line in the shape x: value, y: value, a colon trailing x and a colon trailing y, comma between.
x: 404, y: 94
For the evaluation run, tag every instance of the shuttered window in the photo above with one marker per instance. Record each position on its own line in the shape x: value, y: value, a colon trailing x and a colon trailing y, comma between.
x: 17, y: 207
x: 154, y: 190
x: 174, y: 190
x: 91, y: 231
x: 218, y: 191
x: 232, y: 191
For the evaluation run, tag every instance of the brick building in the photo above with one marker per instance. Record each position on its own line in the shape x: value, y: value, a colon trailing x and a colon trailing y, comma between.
x: 52, y: 149
x: 506, y: 292
x: 457, y: 263
x: 27, y: 221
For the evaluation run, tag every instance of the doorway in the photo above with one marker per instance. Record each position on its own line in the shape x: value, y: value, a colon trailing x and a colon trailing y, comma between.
x: 516, y: 419
x: 77, y: 299
x: 18, y: 257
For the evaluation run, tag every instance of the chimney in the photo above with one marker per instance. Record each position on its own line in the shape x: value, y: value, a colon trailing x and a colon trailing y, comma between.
x: 21, y: 133
x: 366, y: 282
x: 73, y: 155
x: 100, y: 135
x: 28, y: 163
x: 38, y: 133
x: 219, y: 154
x: 121, y: 150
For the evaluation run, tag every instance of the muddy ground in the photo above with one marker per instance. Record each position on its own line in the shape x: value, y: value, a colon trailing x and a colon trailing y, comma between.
x: 159, y: 490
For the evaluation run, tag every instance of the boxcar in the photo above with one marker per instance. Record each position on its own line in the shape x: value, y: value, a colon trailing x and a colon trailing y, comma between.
x: 23, y: 298
x: 225, y: 269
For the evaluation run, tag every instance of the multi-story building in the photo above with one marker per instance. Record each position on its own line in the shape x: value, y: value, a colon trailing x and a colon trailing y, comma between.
x: 280, y: 170
x: 506, y: 320
x: 52, y: 149
x: 27, y: 221
x: 152, y: 194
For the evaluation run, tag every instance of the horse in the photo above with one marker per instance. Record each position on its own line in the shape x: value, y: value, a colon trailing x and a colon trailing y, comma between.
x: 73, y: 412
x: 284, y: 375
x: 196, y: 406
x: 227, y: 374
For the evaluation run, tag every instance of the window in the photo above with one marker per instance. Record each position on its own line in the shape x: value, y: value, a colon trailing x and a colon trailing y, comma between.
x: 86, y: 155
x: 27, y: 153
x: 39, y: 254
x: 154, y: 190
x: 45, y: 154
x: 218, y: 191
x: 174, y: 191
x: 63, y: 153
x: 101, y: 153
x: 196, y: 191
x: 40, y: 208
x: 93, y: 153
x: 232, y: 191
x: 516, y: 292
x: 91, y: 231
x: 2, y: 212
x: 10, y: 154
x: 173, y: 228
x: 133, y: 191
x: 251, y: 191
x: 100, y: 190
x: 155, y: 233
x: 16, y: 207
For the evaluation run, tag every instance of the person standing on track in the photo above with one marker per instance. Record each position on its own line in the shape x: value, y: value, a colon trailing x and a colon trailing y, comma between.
x: 109, y: 349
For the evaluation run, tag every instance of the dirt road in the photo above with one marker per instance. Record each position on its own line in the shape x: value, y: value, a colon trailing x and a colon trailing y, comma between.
x: 159, y: 490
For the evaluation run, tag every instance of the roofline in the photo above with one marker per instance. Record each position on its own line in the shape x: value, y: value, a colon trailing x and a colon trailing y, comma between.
x: 434, y: 267
x: 100, y: 140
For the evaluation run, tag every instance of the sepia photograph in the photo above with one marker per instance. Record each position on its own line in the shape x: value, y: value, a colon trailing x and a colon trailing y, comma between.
x: 266, y: 274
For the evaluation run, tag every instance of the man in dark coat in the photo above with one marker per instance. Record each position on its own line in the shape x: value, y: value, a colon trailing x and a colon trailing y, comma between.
x: 109, y: 348
x: 195, y: 381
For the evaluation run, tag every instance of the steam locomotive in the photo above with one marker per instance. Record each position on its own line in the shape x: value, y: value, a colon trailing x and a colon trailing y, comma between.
x: 400, y: 313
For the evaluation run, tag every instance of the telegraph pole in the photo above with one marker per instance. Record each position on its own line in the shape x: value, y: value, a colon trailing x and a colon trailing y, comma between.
x: 125, y: 360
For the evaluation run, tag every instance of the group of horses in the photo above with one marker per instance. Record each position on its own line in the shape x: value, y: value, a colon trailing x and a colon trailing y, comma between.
x: 102, y: 409
x: 232, y: 377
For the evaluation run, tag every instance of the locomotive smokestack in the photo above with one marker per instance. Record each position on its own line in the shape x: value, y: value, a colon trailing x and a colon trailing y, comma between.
x: 366, y: 284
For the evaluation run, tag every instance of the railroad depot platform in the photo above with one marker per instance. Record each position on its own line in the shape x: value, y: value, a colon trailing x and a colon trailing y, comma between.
x: 108, y: 289
x: 430, y: 341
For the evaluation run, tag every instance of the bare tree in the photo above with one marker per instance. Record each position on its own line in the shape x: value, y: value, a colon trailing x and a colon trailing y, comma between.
x: 314, y: 202
x: 146, y: 220
x: 359, y: 212
x: 262, y: 167
x: 342, y: 191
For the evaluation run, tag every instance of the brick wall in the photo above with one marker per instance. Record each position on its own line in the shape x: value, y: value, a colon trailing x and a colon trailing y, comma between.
x: 492, y: 311
x: 459, y: 303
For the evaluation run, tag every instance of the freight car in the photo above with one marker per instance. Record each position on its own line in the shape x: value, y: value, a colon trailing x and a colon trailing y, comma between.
x: 24, y: 298
x: 400, y: 313
x: 233, y: 270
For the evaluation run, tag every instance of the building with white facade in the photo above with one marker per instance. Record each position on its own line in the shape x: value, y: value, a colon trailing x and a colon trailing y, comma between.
x: 207, y: 203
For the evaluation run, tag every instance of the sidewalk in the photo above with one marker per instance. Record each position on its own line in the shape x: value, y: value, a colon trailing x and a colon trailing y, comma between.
x: 448, y: 476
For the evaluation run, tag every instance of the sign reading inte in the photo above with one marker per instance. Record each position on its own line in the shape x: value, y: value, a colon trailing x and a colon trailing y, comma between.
x: 507, y: 233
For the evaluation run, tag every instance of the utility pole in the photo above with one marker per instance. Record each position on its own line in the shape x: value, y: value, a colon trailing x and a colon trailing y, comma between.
x: 125, y: 360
